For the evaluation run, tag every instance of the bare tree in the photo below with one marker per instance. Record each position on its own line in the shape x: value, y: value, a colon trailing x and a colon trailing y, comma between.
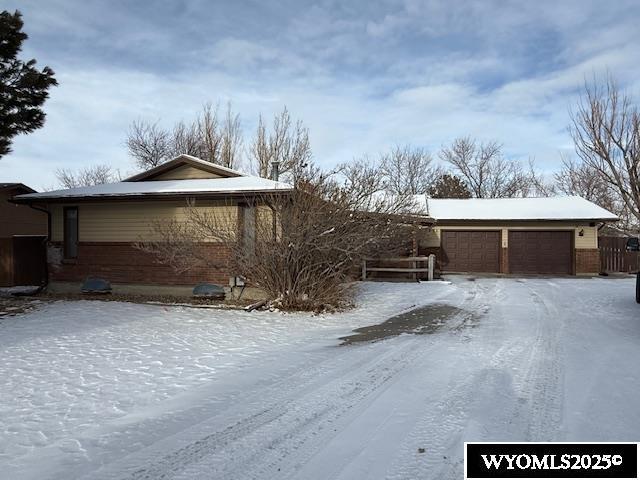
x: 287, y: 144
x: 577, y: 178
x: 363, y: 177
x: 485, y: 170
x: 206, y: 131
x: 206, y: 138
x: 148, y: 144
x: 537, y: 184
x: 231, y: 139
x: 408, y: 170
x: 94, y: 175
x: 606, y: 132
x: 303, y: 245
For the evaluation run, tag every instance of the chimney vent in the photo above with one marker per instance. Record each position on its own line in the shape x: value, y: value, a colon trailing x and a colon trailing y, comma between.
x: 275, y: 171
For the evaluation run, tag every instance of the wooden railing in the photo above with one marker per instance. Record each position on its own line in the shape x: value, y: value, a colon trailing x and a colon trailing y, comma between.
x: 414, y: 269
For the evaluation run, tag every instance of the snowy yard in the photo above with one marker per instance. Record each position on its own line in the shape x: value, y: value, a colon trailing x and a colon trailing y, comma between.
x: 123, y: 391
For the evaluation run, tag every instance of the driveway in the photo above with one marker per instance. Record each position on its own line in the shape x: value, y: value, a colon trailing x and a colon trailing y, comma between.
x: 110, y: 390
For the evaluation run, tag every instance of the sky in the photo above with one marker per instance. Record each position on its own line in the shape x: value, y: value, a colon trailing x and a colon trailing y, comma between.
x: 363, y: 75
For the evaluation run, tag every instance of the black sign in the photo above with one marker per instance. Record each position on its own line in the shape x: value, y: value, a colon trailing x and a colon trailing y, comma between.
x: 551, y: 460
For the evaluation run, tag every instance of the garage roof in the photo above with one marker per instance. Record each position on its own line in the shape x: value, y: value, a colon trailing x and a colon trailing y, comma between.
x: 544, y: 208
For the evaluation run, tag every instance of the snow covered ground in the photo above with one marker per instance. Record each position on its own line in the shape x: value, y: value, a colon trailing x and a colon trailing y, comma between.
x: 123, y: 391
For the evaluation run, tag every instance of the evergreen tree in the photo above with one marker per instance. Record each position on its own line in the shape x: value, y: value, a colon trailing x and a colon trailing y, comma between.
x: 23, y: 88
x: 449, y: 186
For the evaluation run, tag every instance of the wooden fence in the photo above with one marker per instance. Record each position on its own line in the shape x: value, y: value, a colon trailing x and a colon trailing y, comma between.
x: 615, y: 258
x: 23, y: 260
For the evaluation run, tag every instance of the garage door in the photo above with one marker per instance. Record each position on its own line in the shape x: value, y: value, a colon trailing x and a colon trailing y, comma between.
x: 470, y: 251
x: 540, y: 252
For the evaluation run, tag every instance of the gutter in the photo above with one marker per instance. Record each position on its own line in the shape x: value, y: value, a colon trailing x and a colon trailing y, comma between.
x: 236, y: 194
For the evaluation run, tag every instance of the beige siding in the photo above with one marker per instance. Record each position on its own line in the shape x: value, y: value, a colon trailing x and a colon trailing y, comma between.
x: 589, y: 239
x: 430, y: 238
x: 132, y: 222
x: 56, y: 223
x: 185, y: 172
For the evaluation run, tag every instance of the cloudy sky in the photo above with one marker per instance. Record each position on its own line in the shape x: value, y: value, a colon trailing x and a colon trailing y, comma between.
x: 363, y: 75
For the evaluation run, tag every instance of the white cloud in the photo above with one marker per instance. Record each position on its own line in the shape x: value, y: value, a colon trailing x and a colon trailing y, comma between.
x: 362, y: 77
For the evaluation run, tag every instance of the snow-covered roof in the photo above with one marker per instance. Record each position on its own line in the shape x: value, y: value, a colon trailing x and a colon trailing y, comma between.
x: 245, y: 184
x: 544, y: 208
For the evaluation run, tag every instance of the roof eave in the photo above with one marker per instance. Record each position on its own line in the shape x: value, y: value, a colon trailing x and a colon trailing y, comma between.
x: 577, y: 219
x: 150, y: 196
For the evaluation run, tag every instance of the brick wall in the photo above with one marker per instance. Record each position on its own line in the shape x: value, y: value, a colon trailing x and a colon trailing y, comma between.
x: 122, y: 263
x: 587, y: 260
x: 504, y: 260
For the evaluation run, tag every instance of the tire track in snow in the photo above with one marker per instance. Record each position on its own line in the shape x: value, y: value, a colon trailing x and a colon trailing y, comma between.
x: 545, y: 376
x: 441, y: 428
x: 258, y: 442
x: 493, y: 403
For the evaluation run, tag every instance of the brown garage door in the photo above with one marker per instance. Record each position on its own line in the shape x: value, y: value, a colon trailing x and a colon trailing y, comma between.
x: 470, y: 251
x: 540, y: 252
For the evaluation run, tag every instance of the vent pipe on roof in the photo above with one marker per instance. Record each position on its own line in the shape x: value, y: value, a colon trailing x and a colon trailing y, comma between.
x: 275, y: 171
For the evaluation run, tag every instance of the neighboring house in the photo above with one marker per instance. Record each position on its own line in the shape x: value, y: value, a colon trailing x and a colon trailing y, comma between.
x: 23, y: 231
x: 94, y: 230
x: 555, y: 235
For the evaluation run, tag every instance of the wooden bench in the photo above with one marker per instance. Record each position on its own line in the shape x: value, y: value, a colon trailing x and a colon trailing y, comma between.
x: 413, y: 269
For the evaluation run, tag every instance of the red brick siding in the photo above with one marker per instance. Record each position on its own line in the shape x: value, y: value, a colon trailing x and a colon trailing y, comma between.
x: 120, y: 262
x: 587, y: 260
x: 504, y: 260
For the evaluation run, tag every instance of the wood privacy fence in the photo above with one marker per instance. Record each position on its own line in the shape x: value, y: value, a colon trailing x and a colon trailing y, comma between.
x: 23, y: 261
x: 615, y: 258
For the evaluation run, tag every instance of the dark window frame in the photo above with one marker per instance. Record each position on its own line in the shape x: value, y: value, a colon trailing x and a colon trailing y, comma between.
x: 65, y: 233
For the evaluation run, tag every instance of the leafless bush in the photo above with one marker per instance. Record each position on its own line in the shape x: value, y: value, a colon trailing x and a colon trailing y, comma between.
x: 94, y: 175
x: 300, y: 248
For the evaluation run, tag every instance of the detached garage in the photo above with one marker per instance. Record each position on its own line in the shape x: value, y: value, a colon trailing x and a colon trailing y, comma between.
x: 555, y: 235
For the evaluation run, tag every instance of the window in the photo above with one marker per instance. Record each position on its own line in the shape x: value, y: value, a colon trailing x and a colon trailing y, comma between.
x: 70, y: 232
x: 248, y: 226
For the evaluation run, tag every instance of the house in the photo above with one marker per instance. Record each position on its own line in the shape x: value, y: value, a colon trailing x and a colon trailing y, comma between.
x: 23, y: 231
x: 554, y: 235
x: 94, y: 230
